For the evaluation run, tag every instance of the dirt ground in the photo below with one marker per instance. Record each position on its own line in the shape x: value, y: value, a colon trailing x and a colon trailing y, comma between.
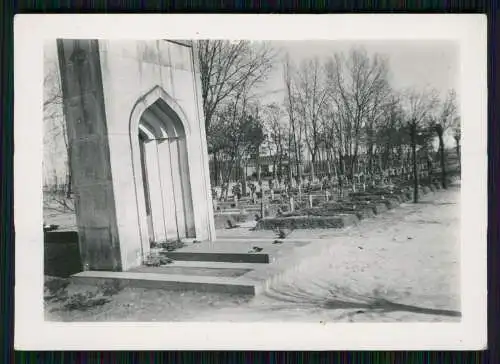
x: 401, y: 266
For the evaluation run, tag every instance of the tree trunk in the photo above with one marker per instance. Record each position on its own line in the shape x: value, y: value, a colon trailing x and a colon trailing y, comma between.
x: 69, y: 173
x: 328, y: 163
x: 313, y: 160
x: 69, y: 185
x: 457, y: 147
x: 370, y: 158
x: 257, y: 164
x: 439, y: 130
x: 280, y: 167
x: 341, y: 172
x: 413, y: 134
x: 244, y: 181
x: 216, y: 170
x: 230, y: 168
x: 429, y: 168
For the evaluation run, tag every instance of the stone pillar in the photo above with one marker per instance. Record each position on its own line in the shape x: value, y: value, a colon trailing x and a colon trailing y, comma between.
x: 109, y: 89
x: 89, y: 154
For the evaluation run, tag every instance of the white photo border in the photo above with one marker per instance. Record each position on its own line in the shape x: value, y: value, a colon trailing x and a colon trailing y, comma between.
x: 33, y: 333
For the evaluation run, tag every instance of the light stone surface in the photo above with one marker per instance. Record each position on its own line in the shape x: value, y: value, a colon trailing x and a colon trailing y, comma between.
x: 111, y: 90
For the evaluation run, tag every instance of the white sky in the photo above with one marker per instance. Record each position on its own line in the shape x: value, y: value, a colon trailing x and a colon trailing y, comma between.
x: 411, y: 63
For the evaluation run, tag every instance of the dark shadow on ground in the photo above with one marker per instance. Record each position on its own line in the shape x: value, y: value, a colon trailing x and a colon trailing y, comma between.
x: 388, y: 306
x: 436, y: 203
x: 338, y: 299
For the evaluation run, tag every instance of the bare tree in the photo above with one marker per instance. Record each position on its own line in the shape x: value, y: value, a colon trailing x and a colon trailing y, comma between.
x: 391, y: 134
x: 457, y: 135
x: 358, y: 88
x: 311, y: 95
x: 441, y: 122
x: 418, y: 107
x: 240, y: 132
x: 54, y: 122
x: 226, y: 69
x: 277, y: 136
x: 290, y: 106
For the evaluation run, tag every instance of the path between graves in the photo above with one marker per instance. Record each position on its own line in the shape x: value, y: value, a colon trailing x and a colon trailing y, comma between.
x: 401, y: 266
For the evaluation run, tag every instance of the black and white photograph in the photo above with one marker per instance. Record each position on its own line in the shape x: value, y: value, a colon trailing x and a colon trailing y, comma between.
x: 194, y: 178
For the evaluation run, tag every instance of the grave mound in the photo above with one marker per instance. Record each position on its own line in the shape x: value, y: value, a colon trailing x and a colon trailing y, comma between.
x: 308, y: 222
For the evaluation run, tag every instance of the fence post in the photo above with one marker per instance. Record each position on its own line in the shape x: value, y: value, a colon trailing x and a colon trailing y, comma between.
x: 292, y: 207
x: 310, y: 201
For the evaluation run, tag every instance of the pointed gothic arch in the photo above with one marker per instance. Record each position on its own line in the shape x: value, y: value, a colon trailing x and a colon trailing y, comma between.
x: 159, y: 130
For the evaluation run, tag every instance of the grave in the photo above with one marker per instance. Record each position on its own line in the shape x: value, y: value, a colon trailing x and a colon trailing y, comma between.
x: 337, y: 221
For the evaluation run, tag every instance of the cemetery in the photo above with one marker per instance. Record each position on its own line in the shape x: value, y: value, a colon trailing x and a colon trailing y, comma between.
x: 149, y: 207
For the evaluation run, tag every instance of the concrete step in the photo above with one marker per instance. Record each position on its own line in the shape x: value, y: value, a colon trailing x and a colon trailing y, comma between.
x: 197, y: 268
x: 214, y: 256
x: 171, y: 282
x: 216, y: 265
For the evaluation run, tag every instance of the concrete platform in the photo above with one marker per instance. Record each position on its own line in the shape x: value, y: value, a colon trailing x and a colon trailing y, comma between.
x: 212, y: 276
x: 170, y: 282
x: 215, y: 269
x: 218, y: 257
x: 234, y: 251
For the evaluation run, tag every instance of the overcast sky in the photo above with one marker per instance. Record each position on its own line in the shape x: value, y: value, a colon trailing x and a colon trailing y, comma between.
x: 411, y: 63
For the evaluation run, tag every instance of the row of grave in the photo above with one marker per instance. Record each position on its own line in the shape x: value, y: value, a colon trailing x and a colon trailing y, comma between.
x: 317, y: 210
x: 319, y: 183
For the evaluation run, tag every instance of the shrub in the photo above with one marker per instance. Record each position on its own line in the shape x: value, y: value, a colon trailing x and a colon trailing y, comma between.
x: 110, y: 288
x: 84, y: 301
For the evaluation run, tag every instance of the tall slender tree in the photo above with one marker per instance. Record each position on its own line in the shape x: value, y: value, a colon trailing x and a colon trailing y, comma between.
x: 443, y: 120
x: 228, y: 69
x: 418, y: 107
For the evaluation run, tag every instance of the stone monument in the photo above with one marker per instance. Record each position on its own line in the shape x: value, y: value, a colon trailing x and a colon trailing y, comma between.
x: 137, y: 147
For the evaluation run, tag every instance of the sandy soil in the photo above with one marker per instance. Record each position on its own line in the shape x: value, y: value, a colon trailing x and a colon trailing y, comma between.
x: 401, y: 266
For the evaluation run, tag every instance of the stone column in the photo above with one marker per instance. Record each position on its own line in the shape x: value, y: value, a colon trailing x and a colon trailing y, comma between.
x: 89, y: 154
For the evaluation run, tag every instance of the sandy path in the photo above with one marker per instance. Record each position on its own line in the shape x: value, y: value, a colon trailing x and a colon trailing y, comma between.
x: 402, y: 266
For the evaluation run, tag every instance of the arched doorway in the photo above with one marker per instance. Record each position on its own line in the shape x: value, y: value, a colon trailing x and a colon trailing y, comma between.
x: 164, y: 188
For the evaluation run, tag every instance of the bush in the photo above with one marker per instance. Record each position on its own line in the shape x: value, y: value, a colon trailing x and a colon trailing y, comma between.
x: 110, y: 288
x: 85, y: 301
